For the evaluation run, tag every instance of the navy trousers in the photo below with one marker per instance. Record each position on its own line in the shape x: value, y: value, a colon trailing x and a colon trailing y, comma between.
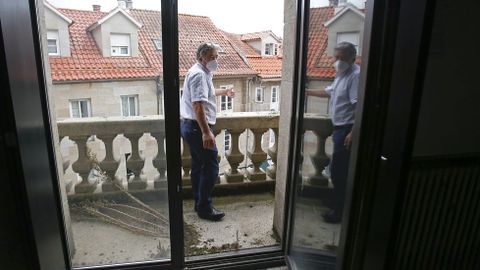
x: 204, y: 165
x: 339, y: 166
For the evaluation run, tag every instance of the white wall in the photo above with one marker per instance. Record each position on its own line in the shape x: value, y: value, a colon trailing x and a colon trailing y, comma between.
x: 55, y: 22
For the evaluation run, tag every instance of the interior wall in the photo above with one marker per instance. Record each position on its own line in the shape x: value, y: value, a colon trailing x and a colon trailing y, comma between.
x: 449, y: 119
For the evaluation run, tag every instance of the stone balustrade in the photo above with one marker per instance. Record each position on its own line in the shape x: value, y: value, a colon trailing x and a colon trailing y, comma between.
x: 322, y: 128
x: 145, y: 139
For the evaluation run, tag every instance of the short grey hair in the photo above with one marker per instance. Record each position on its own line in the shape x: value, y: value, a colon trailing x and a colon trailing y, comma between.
x: 347, y: 48
x: 204, y: 48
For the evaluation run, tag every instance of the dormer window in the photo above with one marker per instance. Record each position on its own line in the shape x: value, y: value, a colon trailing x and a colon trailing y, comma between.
x: 120, y: 44
x: 271, y: 49
x: 352, y: 37
x: 158, y: 44
x: 52, y: 42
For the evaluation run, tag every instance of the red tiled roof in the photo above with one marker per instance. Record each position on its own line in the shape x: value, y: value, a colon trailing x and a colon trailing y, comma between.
x: 267, y: 66
x: 87, y: 63
x: 236, y: 41
x: 319, y: 63
x: 258, y: 35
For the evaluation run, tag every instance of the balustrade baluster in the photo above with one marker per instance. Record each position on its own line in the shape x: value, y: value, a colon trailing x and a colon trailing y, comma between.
x: 272, y: 152
x: 136, y: 163
x: 186, y: 164
x: 160, y: 161
x: 83, y: 165
x: 257, y: 156
x: 110, y: 164
x: 234, y: 157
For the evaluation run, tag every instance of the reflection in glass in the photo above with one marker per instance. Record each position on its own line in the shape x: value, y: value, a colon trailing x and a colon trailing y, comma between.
x: 332, y: 81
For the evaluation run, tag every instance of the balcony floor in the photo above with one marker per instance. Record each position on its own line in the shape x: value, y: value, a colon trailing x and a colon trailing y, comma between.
x: 248, y: 216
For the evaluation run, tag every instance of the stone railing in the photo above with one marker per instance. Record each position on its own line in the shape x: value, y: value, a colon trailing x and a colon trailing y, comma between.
x: 100, y: 145
x: 322, y: 128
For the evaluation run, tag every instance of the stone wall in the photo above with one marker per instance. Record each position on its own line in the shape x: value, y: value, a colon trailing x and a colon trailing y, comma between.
x: 105, y: 97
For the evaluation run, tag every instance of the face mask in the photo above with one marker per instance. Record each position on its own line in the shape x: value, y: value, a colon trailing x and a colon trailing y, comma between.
x: 212, y: 65
x: 341, y: 66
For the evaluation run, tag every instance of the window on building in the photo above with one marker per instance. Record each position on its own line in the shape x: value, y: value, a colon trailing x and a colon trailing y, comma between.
x: 227, y: 140
x: 52, y: 42
x: 352, y: 37
x: 271, y: 49
x: 120, y: 44
x: 259, y: 94
x: 130, y: 105
x: 158, y: 43
x: 226, y: 103
x: 275, y: 94
x: 80, y: 108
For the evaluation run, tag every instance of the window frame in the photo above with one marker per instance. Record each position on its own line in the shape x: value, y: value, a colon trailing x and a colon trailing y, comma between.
x: 262, y: 89
x: 226, y: 100
x: 227, y: 137
x: 57, y: 43
x: 273, y: 48
x: 357, y: 33
x: 89, y: 107
x: 136, y: 102
x: 120, y: 47
x: 277, y: 88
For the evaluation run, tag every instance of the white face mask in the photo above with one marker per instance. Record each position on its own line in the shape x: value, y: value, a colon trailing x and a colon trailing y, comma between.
x: 341, y: 66
x: 212, y: 65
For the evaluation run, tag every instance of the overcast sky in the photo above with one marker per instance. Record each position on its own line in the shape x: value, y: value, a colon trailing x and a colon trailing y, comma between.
x: 235, y: 16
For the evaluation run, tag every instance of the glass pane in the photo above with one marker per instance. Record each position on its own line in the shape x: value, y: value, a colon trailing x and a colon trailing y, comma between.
x: 114, y: 179
x: 84, y: 108
x: 125, y: 106
x: 249, y: 210
x: 321, y: 185
x: 133, y: 106
x: 75, y: 109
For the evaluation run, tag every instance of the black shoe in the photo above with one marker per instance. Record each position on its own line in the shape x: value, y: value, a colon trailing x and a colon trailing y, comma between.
x: 332, y: 216
x: 213, y: 215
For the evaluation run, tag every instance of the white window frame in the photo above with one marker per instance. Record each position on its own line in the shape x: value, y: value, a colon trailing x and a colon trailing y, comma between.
x: 158, y: 44
x: 226, y: 100
x: 121, y: 45
x: 136, y: 102
x: 53, y: 35
x: 227, y: 141
x: 276, y: 88
x: 89, y: 107
x: 357, y: 34
x: 272, y: 52
x: 262, y: 91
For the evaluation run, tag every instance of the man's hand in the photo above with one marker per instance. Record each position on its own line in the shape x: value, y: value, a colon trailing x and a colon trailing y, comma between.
x: 208, y: 140
x: 230, y: 92
x: 348, y: 140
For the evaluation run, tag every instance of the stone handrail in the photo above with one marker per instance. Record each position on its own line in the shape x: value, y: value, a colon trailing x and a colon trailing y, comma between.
x: 133, y: 129
x: 80, y: 131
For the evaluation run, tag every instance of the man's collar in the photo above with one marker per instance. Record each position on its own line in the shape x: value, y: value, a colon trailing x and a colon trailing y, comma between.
x: 203, y: 67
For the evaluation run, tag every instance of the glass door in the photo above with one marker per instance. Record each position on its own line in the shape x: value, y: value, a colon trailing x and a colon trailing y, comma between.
x: 330, y: 67
x: 100, y: 94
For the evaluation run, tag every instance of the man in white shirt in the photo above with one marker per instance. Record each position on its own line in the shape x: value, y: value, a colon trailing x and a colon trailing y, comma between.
x: 343, y: 94
x: 198, y: 111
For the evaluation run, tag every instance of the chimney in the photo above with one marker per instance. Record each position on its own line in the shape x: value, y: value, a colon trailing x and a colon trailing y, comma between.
x: 122, y: 3
x: 96, y: 7
x: 333, y: 3
x: 129, y: 4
